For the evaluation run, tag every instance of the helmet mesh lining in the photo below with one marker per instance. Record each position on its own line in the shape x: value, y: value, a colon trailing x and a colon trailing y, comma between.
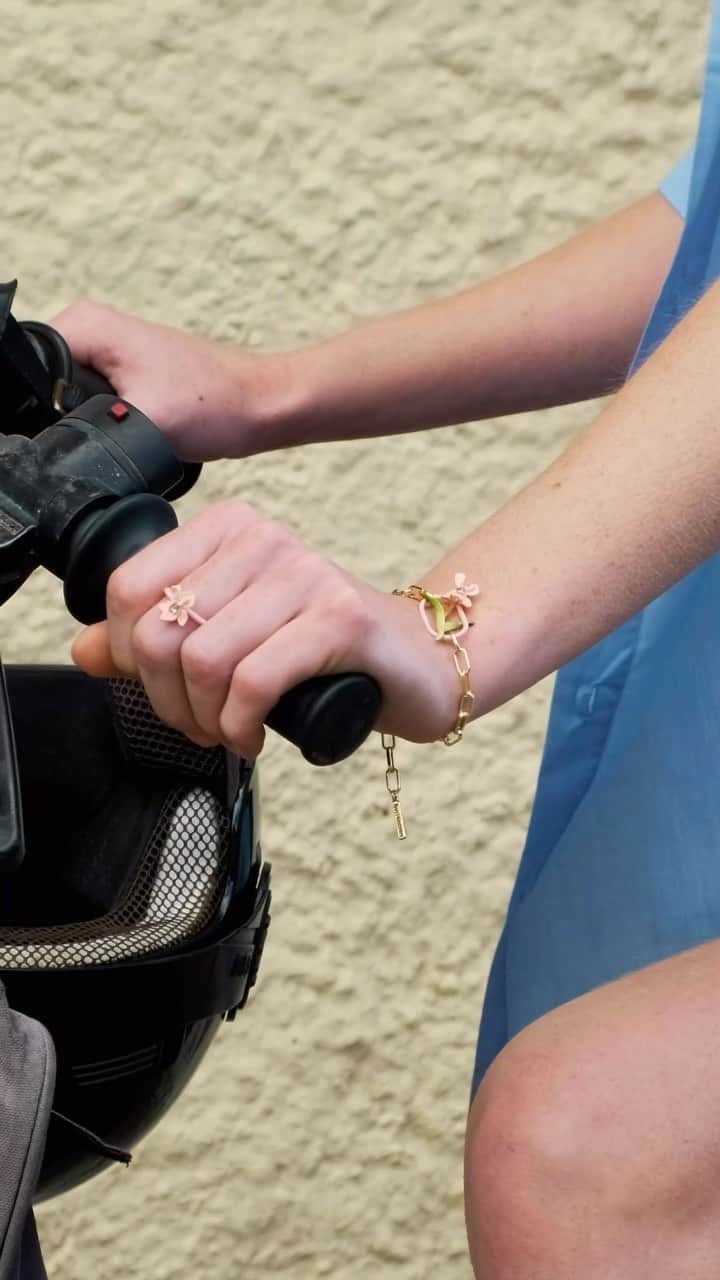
x: 173, y: 896
x: 154, y: 745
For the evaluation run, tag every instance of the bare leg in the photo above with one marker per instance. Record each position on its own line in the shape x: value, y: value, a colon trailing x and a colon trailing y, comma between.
x: 593, y: 1144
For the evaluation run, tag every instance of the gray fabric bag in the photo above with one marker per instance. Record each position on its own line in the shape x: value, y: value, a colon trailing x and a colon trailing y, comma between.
x: 27, y: 1082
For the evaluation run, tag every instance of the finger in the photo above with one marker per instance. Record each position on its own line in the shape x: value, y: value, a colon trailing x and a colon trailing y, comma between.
x: 91, y: 651
x: 89, y: 329
x: 211, y: 654
x: 137, y: 586
x: 167, y: 657
x: 303, y: 648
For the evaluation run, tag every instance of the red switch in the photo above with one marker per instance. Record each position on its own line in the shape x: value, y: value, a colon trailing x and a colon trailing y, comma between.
x: 118, y: 411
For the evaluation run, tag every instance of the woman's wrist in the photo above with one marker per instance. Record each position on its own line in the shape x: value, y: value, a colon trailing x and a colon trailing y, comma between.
x: 273, y: 399
x: 309, y: 395
x: 506, y: 645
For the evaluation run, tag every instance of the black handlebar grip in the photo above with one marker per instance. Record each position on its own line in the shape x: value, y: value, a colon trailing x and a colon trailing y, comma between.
x: 87, y: 382
x: 326, y: 717
x: 103, y: 541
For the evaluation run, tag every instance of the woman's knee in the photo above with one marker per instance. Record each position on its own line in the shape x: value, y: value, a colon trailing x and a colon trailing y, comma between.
x: 588, y: 1142
x: 526, y: 1158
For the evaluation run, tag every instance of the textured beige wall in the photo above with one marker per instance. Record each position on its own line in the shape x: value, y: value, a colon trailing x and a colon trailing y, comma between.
x: 272, y: 172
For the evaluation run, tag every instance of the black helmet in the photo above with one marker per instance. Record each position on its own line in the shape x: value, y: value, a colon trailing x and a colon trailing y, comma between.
x: 133, y: 907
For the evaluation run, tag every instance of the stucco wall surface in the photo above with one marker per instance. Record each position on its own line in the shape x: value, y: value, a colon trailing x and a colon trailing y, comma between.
x: 273, y: 173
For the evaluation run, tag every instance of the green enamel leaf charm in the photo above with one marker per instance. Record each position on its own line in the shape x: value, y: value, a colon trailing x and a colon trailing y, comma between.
x: 439, y: 611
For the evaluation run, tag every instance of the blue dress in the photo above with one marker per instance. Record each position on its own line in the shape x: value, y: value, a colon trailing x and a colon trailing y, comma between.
x: 621, y: 866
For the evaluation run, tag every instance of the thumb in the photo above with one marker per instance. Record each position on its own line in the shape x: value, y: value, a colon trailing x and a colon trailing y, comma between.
x: 89, y: 329
x: 91, y: 651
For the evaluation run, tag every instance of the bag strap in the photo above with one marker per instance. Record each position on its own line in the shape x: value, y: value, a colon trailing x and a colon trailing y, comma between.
x: 23, y: 376
x: 27, y: 1085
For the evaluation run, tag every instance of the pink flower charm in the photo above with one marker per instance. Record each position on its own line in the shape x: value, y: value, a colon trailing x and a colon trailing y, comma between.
x: 450, y: 618
x: 460, y: 593
x: 177, y: 607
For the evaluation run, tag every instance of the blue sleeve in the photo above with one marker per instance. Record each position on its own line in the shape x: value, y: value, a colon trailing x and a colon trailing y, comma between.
x: 676, y: 186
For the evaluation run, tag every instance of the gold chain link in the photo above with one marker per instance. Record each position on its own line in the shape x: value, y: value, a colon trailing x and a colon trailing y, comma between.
x: 392, y: 782
x: 461, y: 660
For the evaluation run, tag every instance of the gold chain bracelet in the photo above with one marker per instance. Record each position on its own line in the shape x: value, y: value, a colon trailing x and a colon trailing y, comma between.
x: 450, y: 623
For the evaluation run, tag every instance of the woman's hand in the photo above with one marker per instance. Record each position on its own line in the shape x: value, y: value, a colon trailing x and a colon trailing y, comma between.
x: 212, y: 399
x: 276, y: 613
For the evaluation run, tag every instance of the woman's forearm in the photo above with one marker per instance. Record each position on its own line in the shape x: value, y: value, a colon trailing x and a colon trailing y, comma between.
x: 561, y: 328
x: 631, y: 506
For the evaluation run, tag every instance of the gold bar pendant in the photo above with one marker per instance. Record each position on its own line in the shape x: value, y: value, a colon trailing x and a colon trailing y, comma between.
x: 399, y: 821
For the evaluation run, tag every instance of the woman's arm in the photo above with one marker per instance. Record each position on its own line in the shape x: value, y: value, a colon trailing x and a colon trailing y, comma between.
x: 631, y: 506
x: 558, y: 329
x: 561, y: 328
